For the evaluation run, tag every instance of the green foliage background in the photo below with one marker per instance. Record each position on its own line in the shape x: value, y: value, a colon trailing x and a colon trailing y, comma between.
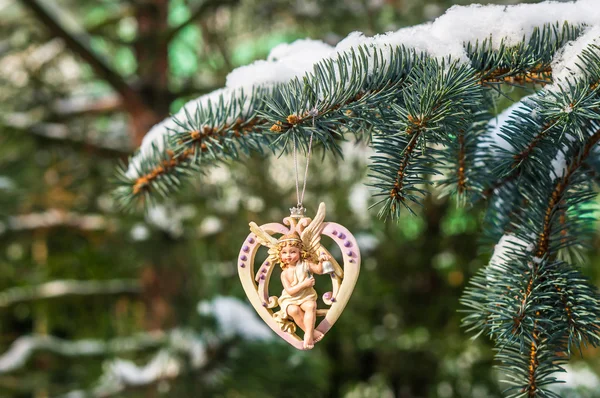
x: 400, y: 335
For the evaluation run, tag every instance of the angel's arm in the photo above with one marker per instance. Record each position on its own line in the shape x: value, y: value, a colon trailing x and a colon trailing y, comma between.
x: 293, y: 290
x: 317, y: 268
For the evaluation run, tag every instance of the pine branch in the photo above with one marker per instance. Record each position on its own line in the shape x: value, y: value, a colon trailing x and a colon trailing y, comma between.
x: 543, y: 247
x: 345, y: 94
x: 435, y: 104
x: 524, y: 62
x: 191, y: 143
x: 527, y: 299
x: 540, y: 361
x: 464, y: 168
x: 425, y: 112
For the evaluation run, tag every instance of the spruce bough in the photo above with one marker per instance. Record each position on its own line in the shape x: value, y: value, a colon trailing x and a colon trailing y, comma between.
x: 428, y: 115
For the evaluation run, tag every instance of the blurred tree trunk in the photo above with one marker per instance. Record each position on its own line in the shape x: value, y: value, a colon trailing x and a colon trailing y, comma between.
x: 147, y: 101
x: 151, y: 51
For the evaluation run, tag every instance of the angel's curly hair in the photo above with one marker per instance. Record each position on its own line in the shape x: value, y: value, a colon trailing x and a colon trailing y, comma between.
x: 291, y: 240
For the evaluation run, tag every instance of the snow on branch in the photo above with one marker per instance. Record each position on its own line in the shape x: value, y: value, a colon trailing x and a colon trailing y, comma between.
x: 447, y: 36
x: 61, y: 288
x: 24, y: 347
x: 166, y: 364
x: 60, y: 133
x: 180, y: 350
x: 59, y: 218
x: 567, y: 64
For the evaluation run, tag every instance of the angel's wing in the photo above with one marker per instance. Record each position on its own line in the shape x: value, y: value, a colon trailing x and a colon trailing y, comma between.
x: 266, y: 240
x: 311, y: 236
x: 263, y: 237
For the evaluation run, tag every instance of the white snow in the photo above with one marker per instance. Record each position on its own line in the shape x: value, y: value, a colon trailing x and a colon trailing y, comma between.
x: 444, y: 37
x: 493, y: 137
x: 163, y: 365
x: 358, y: 200
x: 6, y: 183
x: 512, y: 23
x: 139, y: 232
x: 210, y: 226
x: 121, y: 373
x: 284, y: 62
x: 17, y: 355
x: 235, y: 318
x: 255, y: 204
x: 559, y: 164
x: 187, y: 341
x: 169, y: 217
x: 282, y: 172
x: 566, y: 63
x: 24, y: 347
x: 366, y: 242
x: 507, y: 244
x: 580, y: 377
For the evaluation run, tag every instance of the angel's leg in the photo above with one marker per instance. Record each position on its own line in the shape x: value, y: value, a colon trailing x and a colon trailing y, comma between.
x: 310, y: 315
x: 297, y: 314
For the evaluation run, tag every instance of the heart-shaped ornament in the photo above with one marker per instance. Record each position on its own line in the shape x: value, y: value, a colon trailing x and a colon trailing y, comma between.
x: 297, y: 252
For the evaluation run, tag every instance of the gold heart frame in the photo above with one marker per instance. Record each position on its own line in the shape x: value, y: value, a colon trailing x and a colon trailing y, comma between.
x: 256, y: 285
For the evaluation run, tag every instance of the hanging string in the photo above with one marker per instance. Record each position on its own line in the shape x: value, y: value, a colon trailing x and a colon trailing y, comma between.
x: 300, y: 197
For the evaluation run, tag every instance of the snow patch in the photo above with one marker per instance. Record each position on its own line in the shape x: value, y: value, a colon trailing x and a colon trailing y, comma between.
x: 210, y: 225
x: 139, y: 232
x: 566, y: 63
x: 234, y: 318
x: 507, y: 245
x: 170, y: 217
x: 6, y: 183
x: 358, y: 200
x: 493, y: 138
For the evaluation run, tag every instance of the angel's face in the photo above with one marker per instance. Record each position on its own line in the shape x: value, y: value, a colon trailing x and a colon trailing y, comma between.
x: 290, y: 254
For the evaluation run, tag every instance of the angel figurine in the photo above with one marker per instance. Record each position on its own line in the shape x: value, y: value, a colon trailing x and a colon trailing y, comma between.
x: 299, y: 258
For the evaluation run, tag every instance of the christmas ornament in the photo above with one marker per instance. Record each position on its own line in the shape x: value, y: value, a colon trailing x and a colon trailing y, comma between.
x: 301, y: 255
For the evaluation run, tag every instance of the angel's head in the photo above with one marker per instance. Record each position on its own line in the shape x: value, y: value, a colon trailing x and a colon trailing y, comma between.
x: 290, y: 249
